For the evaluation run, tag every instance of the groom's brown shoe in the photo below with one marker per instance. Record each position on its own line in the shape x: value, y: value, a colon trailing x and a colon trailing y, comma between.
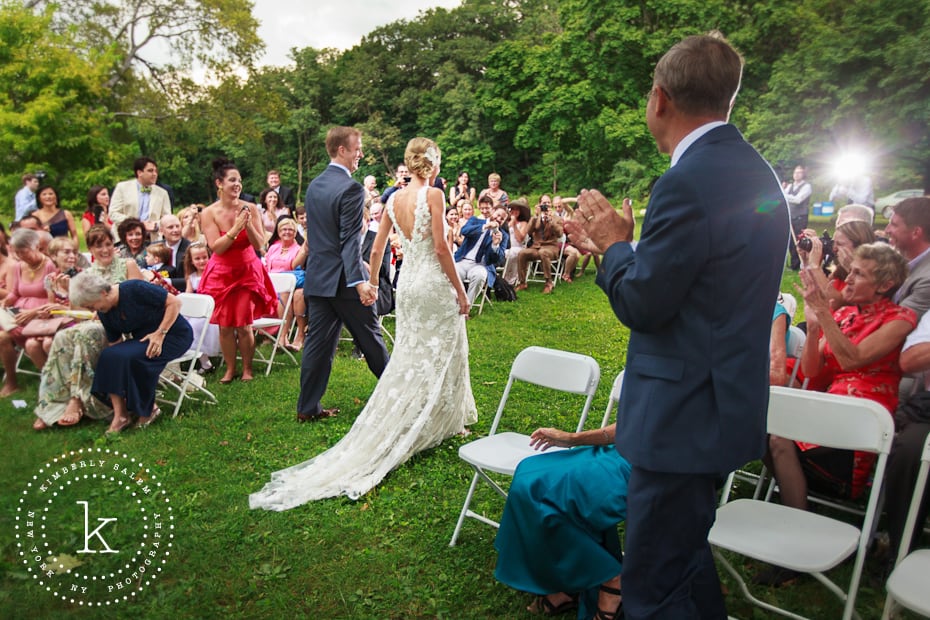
x: 325, y: 413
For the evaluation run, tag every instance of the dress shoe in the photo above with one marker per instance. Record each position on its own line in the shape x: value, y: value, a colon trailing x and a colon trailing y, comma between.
x: 325, y: 413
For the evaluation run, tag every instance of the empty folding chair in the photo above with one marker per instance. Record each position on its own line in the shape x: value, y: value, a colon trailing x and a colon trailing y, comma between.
x: 502, y: 452
x: 796, y: 539
x: 908, y: 583
x: 193, y: 306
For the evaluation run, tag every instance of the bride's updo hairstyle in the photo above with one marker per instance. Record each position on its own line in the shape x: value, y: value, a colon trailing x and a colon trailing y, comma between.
x: 421, y: 156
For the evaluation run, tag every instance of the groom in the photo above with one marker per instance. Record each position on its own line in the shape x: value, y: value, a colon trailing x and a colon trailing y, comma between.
x: 336, y: 287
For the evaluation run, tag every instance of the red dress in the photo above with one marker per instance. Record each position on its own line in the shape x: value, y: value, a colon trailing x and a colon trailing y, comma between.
x: 878, y: 381
x: 239, y: 284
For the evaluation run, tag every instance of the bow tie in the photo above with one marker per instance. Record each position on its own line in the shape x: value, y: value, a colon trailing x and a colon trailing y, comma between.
x: 146, y: 190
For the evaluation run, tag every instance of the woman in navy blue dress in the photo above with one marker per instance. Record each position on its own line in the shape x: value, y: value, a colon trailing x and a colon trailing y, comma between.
x: 145, y: 331
x: 558, y: 534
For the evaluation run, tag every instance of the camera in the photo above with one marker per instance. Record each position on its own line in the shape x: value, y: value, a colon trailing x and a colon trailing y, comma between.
x: 805, y: 245
x: 71, y: 272
x: 407, y: 179
x: 40, y: 174
x: 543, y: 206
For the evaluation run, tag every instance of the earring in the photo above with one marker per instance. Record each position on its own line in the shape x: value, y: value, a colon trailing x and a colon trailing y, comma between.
x: 219, y: 191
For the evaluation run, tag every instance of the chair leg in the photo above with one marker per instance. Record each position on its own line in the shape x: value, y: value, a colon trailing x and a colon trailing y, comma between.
x: 463, y: 514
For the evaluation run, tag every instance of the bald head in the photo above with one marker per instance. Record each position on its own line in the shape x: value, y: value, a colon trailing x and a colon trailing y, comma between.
x: 170, y: 227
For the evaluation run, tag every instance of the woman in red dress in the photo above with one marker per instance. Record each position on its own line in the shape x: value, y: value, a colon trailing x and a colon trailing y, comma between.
x: 234, y: 276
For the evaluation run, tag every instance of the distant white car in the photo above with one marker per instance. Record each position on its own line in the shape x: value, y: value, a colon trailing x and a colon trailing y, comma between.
x: 884, y: 204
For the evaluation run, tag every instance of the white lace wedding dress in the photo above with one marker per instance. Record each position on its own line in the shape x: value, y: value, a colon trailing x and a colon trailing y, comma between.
x: 423, y: 397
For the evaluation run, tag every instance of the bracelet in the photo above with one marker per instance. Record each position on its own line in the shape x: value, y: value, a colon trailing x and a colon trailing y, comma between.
x: 228, y: 236
x: 606, y: 436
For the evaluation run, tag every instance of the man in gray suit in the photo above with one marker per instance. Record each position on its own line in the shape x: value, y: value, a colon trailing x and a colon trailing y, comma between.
x: 908, y: 231
x: 336, y: 288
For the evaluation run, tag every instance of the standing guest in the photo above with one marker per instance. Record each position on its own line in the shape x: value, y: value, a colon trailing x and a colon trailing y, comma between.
x: 146, y: 331
x: 401, y: 178
x: 190, y: 223
x: 494, y: 190
x: 235, y: 277
x: 697, y: 369
x: 272, y: 209
x: 285, y: 193
x: 98, y: 201
x: 57, y: 221
x: 68, y: 375
x: 337, y: 289
x: 371, y: 186
x: 798, y: 194
x: 26, y: 292
x: 462, y: 191
x: 131, y: 233
x: 141, y: 198
x: 24, y: 202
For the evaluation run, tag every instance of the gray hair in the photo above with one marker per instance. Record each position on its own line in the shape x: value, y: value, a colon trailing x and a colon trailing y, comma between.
x: 24, y: 239
x: 87, y: 287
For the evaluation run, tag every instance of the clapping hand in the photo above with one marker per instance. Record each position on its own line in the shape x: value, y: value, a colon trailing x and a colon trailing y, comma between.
x: 595, y: 225
x: 816, y: 304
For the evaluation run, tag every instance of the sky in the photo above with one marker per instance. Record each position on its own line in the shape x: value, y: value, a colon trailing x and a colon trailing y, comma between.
x: 341, y: 24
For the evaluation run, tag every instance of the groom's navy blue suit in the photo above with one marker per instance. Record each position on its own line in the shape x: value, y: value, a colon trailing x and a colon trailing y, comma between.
x: 697, y: 295
x: 335, y: 204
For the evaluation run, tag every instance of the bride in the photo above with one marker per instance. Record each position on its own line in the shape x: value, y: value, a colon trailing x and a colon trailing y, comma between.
x: 424, y: 395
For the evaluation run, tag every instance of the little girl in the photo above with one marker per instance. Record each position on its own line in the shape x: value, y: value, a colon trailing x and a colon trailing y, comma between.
x: 195, y: 260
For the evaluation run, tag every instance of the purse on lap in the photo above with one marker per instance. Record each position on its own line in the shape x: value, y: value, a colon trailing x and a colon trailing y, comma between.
x: 37, y: 328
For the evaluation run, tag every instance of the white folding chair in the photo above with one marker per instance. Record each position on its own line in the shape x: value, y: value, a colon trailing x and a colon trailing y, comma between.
x: 908, y: 585
x: 481, y: 297
x: 284, y: 285
x: 796, y: 539
x: 193, y: 306
x: 613, y: 399
x: 535, y: 267
x: 502, y: 452
x: 796, y: 340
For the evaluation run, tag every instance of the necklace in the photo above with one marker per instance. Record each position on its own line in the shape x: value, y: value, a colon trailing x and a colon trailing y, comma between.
x: 32, y: 270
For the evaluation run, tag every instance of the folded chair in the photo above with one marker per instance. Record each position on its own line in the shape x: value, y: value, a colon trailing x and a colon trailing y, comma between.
x: 182, y: 381
x: 284, y: 285
x: 909, y: 582
x: 501, y: 452
x: 797, y: 539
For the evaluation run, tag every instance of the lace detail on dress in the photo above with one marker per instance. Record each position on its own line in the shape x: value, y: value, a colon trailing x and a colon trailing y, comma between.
x: 423, y: 397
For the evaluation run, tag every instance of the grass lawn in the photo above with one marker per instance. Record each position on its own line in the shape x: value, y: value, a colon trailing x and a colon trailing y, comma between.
x: 384, y: 556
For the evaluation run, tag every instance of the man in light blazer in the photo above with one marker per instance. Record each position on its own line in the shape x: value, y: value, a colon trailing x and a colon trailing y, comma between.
x: 697, y: 294
x: 336, y: 288
x: 908, y: 230
x: 141, y: 198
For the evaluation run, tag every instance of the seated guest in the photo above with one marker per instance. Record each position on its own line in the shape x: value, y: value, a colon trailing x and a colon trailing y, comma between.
x: 778, y: 344
x: 287, y: 255
x: 158, y: 259
x: 131, y: 233
x: 145, y: 330
x: 482, y: 249
x: 26, y: 293
x: 190, y: 225
x: 546, y: 232
x: 853, y: 228
x: 453, y: 230
x: 173, y: 236
x: 572, y: 254
x: 66, y: 379
x: 558, y: 535
x: 857, y: 347
x: 908, y: 231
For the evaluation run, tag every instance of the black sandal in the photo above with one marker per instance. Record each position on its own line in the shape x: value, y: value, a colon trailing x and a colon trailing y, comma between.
x: 616, y: 614
x: 542, y: 606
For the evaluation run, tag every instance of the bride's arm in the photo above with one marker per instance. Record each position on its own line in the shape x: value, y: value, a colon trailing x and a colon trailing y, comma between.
x: 377, y: 248
x: 443, y: 254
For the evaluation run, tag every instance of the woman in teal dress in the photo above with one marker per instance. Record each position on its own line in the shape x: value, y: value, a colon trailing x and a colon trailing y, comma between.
x: 558, y: 535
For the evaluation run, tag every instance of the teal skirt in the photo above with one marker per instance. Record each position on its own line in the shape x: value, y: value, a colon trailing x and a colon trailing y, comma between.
x: 558, y: 532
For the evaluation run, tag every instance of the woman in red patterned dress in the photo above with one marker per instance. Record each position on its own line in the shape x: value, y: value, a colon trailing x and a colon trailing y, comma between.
x: 235, y: 277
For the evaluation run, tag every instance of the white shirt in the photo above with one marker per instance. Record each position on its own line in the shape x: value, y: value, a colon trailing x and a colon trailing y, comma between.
x: 691, y: 138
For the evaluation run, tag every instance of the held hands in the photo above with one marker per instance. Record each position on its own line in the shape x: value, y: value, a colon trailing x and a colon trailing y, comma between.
x: 595, y: 225
x: 367, y: 293
x: 544, y: 438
